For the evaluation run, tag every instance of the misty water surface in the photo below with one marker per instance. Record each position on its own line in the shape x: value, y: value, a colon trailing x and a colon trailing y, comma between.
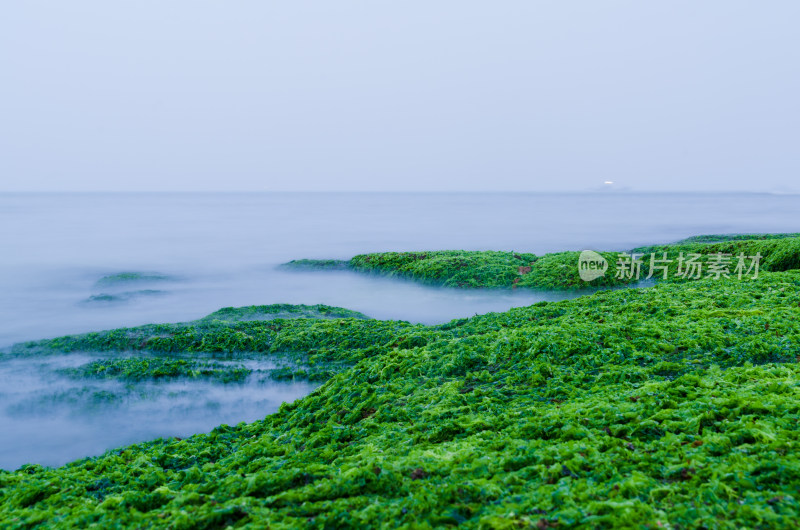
x: 49, y: 418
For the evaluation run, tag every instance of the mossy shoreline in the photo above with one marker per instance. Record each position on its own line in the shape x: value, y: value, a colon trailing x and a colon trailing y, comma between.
x: 554, y: 271
x: 676, y: 406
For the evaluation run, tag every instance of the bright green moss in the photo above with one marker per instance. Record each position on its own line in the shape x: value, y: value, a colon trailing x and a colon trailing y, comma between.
x: 780, y: 254
x: 271, y: 312
x: 315, y: 341
x: 676, y: 406
x: 556, y: 271
x: 137, y: 369
x: 560, y: 271
x: 451, y: 268
x: 474, y: 269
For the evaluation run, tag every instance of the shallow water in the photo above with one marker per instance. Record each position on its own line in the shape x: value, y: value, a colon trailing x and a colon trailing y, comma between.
x: 223, y: 250
x: 49, y: 418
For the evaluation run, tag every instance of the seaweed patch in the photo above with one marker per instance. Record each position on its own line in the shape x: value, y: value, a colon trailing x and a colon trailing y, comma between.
x: 674, y: 406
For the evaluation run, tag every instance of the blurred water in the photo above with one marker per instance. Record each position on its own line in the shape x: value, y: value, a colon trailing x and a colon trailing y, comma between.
x: 222, y: 249
x: 49, y: 418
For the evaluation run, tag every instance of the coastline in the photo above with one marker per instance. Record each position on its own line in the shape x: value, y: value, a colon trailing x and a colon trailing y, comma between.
x: 623, y: 406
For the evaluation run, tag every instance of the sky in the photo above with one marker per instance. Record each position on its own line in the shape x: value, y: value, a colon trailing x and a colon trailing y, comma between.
x: 530, y: 95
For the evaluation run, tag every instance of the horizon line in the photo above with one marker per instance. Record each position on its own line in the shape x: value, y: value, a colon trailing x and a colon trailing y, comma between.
x: 471, y: 192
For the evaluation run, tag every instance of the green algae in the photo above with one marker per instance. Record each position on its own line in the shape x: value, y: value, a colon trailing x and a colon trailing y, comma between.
x: 451, y: 268
x: 122, y: 287
x: 317, y: 264
x: 474, y: 269
x: 138, y: 369
x: 718, y: 238
x: 222, y: 331
x: 131, y: 277
x: 674, y: 407
x: 311, y: 342
x: 123, y: 296
x: 559, y: 270
x: 313, y: 348
x: 271, y: 312
x: 778, y: 254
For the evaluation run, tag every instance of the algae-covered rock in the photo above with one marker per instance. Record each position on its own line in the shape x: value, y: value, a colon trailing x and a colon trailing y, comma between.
x: 676, y: 406
x: 138, y: 369
x: 719, y: 238
x: 560, y: 270
x: 273, y: 311
x: 127, y: 278
x: 316, y: 264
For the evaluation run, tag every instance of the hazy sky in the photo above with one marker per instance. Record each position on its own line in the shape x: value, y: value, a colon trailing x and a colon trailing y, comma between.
x: 412, y: 95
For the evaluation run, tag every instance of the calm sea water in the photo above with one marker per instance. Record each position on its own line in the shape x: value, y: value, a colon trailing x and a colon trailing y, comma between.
x: 222, y: 250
